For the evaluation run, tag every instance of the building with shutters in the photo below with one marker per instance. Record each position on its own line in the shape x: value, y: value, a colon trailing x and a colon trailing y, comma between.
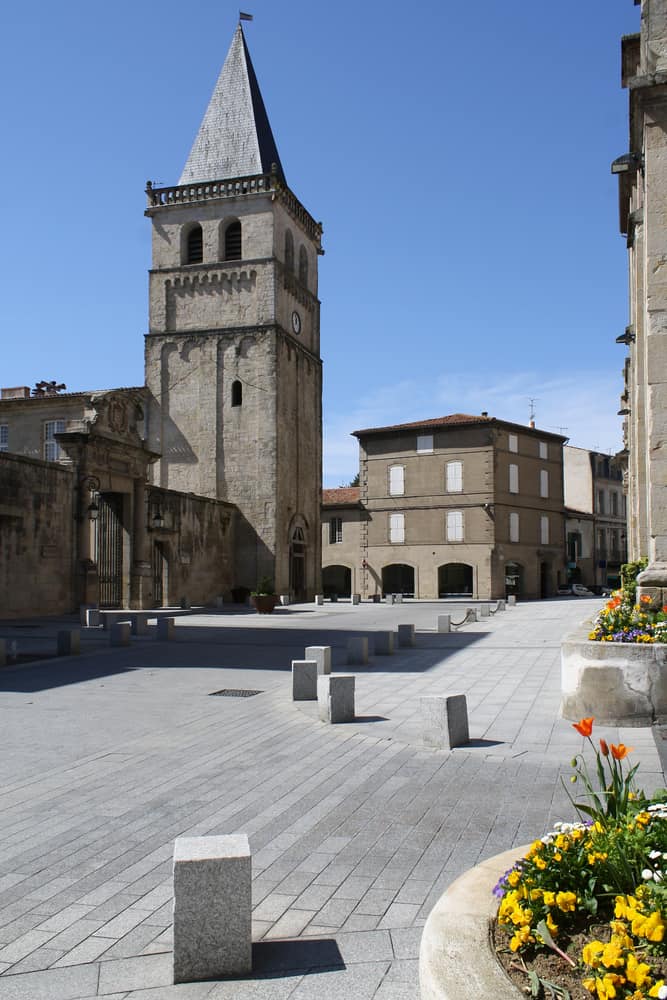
x: 460, y: 505
x: 208, y: 477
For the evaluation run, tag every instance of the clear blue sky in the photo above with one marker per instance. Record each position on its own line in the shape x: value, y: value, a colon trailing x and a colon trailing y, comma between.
x: 457, y: 154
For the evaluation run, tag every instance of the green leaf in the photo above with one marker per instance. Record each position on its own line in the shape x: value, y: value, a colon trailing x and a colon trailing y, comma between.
x: 534, y: 980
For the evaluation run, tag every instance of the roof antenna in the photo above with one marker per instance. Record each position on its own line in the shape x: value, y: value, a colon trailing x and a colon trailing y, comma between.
x: 532, y: 401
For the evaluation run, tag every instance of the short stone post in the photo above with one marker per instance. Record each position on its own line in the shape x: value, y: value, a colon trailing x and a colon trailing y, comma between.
x: 335, y: 697
x: 219, y: 602
x: 398, y: 598
x: 477, y: 614
x: 92, y: 618
x: 357, y: 650
x: 69, y: 642
x: 185, y: 604
x: 212, y: 908
x: 284, y: 600
x: 139, y: 624
x: 321, y: 655
x: 166, y: 629
x: 120, y: 633
x: 3, y: 652
x: 501, y: 606
x: 484, y: 610
x: 406, y: 635
x: 356, y: 598
x: 511, y: 600
x: 444, y: 623
x: 383, y: 643
x: 319, y: 600
x: 390, y: 598
x: 304, y: 680
x: 444, y: 721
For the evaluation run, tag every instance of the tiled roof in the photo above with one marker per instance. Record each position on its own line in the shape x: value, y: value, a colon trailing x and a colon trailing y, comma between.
x: 452, y: 419
x: 235, y: 137
x: 344, y: 494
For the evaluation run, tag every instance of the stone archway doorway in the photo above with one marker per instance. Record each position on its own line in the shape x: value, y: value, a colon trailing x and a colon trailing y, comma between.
x: 297, y: 564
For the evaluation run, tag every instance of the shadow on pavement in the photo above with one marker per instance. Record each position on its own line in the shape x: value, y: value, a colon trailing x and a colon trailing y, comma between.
x: 301, y: 955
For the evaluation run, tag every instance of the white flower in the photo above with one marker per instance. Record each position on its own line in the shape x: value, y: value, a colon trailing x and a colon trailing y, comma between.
x: 662, y: 993
x: 647, y: 874
x: 656, y: 854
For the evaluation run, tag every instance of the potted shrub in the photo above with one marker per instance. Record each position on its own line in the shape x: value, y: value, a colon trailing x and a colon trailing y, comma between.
x: 264, y: 598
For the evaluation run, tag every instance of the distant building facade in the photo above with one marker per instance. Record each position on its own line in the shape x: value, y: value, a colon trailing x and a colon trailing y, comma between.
x: 458, y: 505
x: 642, y: 173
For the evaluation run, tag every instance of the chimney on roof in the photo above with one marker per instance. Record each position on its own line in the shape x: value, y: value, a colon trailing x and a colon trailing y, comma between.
x: 18, y: 392
x: 485, y: 413
x: 531, y: 424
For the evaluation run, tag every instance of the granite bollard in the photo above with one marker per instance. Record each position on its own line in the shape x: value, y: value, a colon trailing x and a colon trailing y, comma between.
x: 335, y: 697
x: 304, y: 680
x: 319, y: 600
x: 120, y: 633
x: 212, y: 908
x: 444, y: 623
x: 501, y: 606
x: 511, y: 600
x: 139, y: 624
x: 69, y: 642
x: 406, y: 635
x: 356, y: 598
x: 166, y: 629
x: 357, y: 649
x: 445, y: 721
x: 390, y: 598
x: 484, y: 610
x: 321, y: 655
x: 92, y: 618
x: 219, y: 602
x: 383, y: 643
x: 398, y: 598
x: 185, y: 604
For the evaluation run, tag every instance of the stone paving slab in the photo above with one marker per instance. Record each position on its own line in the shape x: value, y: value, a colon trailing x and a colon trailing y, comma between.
x: 355, y: 829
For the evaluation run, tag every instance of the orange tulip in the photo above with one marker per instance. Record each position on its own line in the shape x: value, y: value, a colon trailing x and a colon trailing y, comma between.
x: 604, y: 748
x: 620, y: 751
x: 585, y: 726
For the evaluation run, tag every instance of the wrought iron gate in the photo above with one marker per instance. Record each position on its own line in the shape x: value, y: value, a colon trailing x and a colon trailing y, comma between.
x: 110, y: 550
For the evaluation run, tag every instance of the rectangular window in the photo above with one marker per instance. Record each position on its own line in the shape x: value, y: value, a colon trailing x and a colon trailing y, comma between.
x: 396, y: 528
x: 601, y: 503
x: 454, y: 526
x: 396, y: 480
x: 4, y: 437
x: 454, y: 477
x: 544, y: 530
x: 51, y: 446
x: 544, y: 449
x: 614, y: 502
x: 424, y: 444
x: 544, y: 482
x: 335, y: 530
x: 573, y: 546
x: 514, y: 479
x: 513, y: 442
x: 514, y: 526
x: 602, y: 544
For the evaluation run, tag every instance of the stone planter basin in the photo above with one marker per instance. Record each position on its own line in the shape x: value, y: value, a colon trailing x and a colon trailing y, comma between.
x: 265, y: 603
x: 456, y: 957
x: 621, y: 684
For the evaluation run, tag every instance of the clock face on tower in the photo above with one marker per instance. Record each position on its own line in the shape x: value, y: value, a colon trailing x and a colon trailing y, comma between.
x: 296, y: 322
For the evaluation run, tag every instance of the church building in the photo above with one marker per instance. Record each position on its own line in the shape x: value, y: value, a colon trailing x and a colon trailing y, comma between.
x: 208, y: 477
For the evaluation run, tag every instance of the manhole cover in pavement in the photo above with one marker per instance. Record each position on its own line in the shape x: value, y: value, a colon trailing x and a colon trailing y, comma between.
x: 233, y: 693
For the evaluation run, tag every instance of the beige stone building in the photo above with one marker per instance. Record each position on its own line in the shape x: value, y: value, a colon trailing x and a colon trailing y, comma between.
x: 207, y: 478
x: 596, y: 525
x: 642, y: 173
x: 459, y: 505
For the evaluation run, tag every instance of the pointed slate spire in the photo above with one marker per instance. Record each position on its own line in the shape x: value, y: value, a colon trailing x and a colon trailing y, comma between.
x: 234, y: 138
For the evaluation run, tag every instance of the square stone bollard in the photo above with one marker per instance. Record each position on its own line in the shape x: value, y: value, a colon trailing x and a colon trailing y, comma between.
x: 335, y: 697
x: 398, y: 598
x: 319, y: 600
x: 444, y: 623
x: 477, y: 614
x: 284, y: 600
x: 69, y: 642
x: 383, y: 643
x: 357, y: 650
x: 212, y: 908
x: 444, y: 721
x: 501, y: 606
x: 484, y: 610
x: 166, y: 629
x: 139, y: 624
x: 321, y: 655
x: 406, y: 635
x: 3, y: 652
x: 93, y: 618
x: 511, y: 600
x: 185, y: 604
x: 120, y: 633
x: 304, y: 680
x: 219, y: 602
x: 356, y: 598
x: 390, y: 598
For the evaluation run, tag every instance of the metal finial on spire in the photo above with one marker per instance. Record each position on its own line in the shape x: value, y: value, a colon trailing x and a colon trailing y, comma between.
x: 245, y: 17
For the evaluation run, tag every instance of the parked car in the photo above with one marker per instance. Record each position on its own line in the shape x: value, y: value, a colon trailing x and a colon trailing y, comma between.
x: 579, y: 590
x: 564, y: 591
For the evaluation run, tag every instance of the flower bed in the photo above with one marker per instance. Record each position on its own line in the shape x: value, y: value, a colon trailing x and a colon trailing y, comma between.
x: 590, y: 897
x: 621, y: 620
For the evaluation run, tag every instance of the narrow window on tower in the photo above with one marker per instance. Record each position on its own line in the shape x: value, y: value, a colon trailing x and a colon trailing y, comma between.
x: 289, y: 250
x: 237, y: 393
x: 194, y: 253
x: 303, y: 266
x: 233, y: 241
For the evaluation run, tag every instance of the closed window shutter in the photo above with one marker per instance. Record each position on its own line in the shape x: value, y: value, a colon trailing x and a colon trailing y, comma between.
x: 544, y: 483
x: 514, y: 526
x: 454, y: 526
x: 514, y: 479
x: 454, y: 477
x: 544, y: 530
x: 396, y: 480
x: 396, y: 528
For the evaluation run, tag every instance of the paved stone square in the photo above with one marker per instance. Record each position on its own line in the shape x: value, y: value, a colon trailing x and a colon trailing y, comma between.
x: 355, y: 829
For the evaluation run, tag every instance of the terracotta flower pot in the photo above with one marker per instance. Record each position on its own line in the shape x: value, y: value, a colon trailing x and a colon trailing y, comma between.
x: 265, y: 603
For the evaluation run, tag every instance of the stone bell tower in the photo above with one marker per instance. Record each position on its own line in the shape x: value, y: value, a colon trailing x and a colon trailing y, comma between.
x: 233, y: 350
